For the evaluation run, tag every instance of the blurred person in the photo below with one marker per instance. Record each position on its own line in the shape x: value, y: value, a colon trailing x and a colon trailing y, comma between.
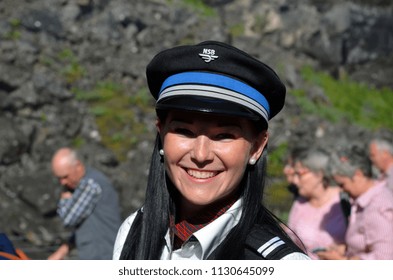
x: 88, y: 204
x: 8, y: 251
x: 289, y: 171
x: 316, y: 216
x: 370, y: 231
x: 208, y: 167
x: 381, y: 155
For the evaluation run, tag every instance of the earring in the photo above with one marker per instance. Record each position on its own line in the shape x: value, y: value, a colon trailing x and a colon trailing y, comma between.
x: 252, y: 161
x: 161, y: 152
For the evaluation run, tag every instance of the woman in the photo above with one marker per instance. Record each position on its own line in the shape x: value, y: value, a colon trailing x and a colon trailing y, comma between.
x: 204, y: 193
x: 289, y: 171
x: 316, y: 215
x: 370, y: 230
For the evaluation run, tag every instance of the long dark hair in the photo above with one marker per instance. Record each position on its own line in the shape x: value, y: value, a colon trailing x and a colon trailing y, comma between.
x: 145, y: 240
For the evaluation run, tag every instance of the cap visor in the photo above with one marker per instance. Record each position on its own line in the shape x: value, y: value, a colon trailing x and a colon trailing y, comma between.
x: 206, y: 105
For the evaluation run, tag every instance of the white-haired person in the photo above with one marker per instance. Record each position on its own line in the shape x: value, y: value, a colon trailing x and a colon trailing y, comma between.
x: 316, y: 215
x: 381, y: 155
x: 205, y: 186
x: 370, y: 230
x: 88, y: 205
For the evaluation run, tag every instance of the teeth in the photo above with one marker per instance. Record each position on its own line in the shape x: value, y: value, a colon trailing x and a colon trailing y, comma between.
x: 201, y: 174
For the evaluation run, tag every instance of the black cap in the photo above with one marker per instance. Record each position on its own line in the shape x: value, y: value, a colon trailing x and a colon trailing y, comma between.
x: 215, y: 77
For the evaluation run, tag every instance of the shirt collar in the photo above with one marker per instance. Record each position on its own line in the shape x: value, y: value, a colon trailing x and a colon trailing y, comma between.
x: 210, y: 236
x: 364, y: 199
x: 184, y: 229
x: 214, y: 233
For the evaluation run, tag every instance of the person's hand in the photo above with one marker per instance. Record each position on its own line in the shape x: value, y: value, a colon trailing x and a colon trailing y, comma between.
x: 335, y: 252
x: 341, y: 248
x: 60, y: 253
x: 66, y: 195
x: 331, y: 255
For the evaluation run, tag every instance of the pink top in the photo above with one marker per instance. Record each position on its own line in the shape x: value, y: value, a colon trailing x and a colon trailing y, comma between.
x: 370, y: 230
x: 389, y: 177
x: 317, y: 227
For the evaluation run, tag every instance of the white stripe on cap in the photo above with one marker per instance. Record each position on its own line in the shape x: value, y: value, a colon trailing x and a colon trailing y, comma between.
x: 270, y: 246
x: 214, y: 92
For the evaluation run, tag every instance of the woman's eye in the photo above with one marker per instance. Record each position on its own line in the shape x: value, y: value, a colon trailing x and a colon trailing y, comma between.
x: 223, y: 136
x: 184, y: 131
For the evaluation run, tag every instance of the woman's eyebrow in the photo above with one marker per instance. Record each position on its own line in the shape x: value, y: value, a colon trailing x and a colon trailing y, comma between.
x: 182, y: 120
x: 220, y: 123
x: 229, y: 125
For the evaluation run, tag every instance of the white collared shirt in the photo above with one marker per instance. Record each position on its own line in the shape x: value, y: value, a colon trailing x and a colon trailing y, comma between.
x: 204, y: 241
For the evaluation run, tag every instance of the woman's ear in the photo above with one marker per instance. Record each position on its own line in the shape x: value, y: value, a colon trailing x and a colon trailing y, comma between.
x: 321, y: 175
x: 158, y: 125
x: 160, y: 130
x: 259, y: 145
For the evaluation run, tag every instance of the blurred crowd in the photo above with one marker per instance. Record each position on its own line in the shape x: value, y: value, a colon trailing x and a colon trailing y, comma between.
x: 343, y: 200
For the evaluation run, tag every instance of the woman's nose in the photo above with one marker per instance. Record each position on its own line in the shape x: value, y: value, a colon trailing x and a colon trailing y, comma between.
x: 202, y: 150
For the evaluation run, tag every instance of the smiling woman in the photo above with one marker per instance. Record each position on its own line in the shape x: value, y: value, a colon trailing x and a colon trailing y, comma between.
x: 206, y: 158
x: 205, y: 187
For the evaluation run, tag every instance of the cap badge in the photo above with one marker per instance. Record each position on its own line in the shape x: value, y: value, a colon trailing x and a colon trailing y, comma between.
x: 208, y: 55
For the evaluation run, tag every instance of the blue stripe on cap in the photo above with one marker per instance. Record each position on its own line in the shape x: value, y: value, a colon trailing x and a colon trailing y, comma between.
x: 218, y: 81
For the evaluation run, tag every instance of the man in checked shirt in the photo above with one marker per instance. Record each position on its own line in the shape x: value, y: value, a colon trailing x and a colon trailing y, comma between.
x: 89, y: 205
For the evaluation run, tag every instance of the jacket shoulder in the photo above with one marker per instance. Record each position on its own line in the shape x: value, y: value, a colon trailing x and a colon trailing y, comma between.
x: 264, y: 243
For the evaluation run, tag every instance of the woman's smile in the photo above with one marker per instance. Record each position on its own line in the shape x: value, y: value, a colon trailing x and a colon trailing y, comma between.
x: 201, y: 174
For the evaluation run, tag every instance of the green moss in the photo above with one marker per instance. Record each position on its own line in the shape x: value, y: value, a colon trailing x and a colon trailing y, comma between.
x: 142, y: 99
x: 43, y: 117
x: 310, y: 107
x: 66, y: 55
x: 237, y: 30
x: 72, y: 70
x: 104, y: 91
x: 46, y: 61
x: 277, y: 197
x: 276, y: 160
x: 115, y: 111
x: 199, y: 6
x: 14, y: 33
x: 77, y: 142
x: 260, y: 24
x: 364, y: 105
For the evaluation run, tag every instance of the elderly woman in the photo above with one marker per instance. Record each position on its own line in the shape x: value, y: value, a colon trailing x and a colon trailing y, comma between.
x: 316, y: 215
x: 370, y: 230
x: 204, y: 193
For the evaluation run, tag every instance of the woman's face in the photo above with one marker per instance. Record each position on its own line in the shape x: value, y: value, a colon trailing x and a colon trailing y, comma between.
x: 289, y: 171
x: 352, y: 185
x: 307, y: 181
x: 206, y: 155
